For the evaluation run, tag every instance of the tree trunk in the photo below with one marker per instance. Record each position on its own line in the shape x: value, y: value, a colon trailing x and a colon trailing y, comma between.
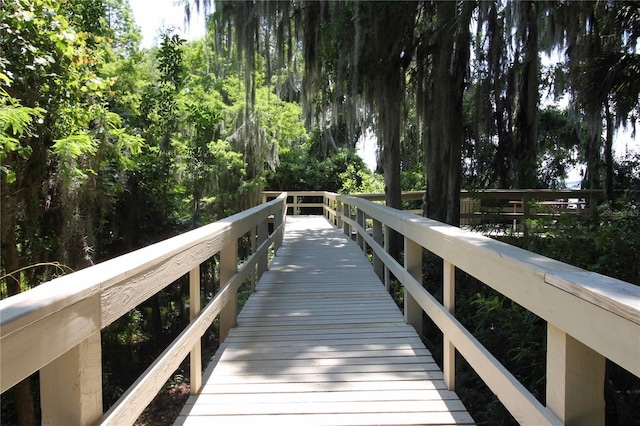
x: 526, y: 140
x: 445, y: 134
x: 390, y: 115
x: 608, y: 154
x: 591, y: 179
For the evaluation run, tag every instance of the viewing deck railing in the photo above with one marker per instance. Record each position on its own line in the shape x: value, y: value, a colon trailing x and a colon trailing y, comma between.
x: 55, y: 327
x: 509, y: 208
x: 590, y: 317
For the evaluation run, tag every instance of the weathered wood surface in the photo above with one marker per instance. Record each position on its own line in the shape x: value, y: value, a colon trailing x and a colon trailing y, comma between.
x: 321, y: 342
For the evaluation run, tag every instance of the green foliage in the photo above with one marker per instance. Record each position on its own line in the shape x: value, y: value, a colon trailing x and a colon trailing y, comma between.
x: 15, y: 123
x: 341, y: 172
x: 627, y: 173
x: 360, y: 180
x: 557, y: 147
x: 603, y: 245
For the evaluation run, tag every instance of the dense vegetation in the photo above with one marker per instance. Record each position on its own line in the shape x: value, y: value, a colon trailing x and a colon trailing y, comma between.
x: 106, y: 148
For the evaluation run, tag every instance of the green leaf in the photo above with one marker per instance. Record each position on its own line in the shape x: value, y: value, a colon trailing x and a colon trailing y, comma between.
x: 76, y: 145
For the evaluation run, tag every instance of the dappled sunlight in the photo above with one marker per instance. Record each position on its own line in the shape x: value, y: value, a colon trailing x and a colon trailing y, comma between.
x: 322, y: 338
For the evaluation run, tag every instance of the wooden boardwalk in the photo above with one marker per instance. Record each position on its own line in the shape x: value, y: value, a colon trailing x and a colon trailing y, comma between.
x: 321, y: 342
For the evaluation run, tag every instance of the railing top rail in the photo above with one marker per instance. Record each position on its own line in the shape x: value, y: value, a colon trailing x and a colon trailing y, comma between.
x: 480, y: 256
x: 25, y: 308
x: 499, y: 193
x: 92, y: 298
x: 609, y: 293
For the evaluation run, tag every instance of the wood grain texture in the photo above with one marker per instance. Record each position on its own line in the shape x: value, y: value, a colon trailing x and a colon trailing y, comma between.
x: 322, y: 342
x: 32, y: 347
x: 585, y: 305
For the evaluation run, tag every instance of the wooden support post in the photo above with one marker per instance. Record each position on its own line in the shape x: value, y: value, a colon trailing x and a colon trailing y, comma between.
x: 277, y: 221
x: 449, y: 300
x: 387, y: 274
x: 228, y: 267
x: 195, y: 358
x: 361, y: 220
x: 263, y: 260
x: 346, y: 228
x: 338, y: 216
x: 253, y: 235
x: 378, y: 237
x: 325, y: 208
x: 575, y: 379
x: 71, y: 386
x: 413, y: 264
x: 296, y: 208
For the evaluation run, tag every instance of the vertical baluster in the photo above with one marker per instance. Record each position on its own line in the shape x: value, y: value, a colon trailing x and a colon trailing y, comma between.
x: 346, y: 211
x: 575, y: 379
x: 378, y: 237
x: 263, y: 231
x: 228, y: 267
x: 387, y: 274
x: 195, y: 357
x: 413, y: 264
x: 71, y: 386
x: 360, y: 219
x: 449, y: 300
x: 254, y: 245
x: 278, y: 218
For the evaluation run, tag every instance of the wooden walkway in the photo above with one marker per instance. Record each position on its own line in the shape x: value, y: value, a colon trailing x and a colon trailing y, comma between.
x: 321, y: 342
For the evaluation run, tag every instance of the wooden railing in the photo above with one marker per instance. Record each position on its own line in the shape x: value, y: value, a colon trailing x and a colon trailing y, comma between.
x: 590, y: 317
x: 55, y: 327
x: 513, y: 206
x: 510, y: 207
x: 309, y: 202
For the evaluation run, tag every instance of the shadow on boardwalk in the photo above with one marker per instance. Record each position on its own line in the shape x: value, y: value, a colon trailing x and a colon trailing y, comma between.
x: 321, y: 342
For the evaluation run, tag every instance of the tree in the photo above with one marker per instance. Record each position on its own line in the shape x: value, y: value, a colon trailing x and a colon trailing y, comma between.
x: 443, y: 64
x: 53, y: 194
x: 600, y: 41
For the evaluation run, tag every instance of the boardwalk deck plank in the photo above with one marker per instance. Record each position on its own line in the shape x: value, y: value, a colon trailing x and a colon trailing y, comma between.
x: 322, y: 342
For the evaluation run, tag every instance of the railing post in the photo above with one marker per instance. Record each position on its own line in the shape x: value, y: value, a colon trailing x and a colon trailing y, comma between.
x: 228, y: 267
x: 449, y: 301
x: 360, y: 219
x: 71, y: 386
x: 346, y: 211
x: 253, y: 233
x: 413, y: 264
x: 338, y: 214
x: 195, y: 358
x: 575, y: 379
x: 263, y: 231
x: 378, y: 237
x: 387, y: 274
x: 325, y: 210
x: 296, y: 208
x: 278, y: 218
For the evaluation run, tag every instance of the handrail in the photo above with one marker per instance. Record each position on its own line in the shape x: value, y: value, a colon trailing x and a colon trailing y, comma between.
x: 69, y: 357
x: 329, y: 204
x: 590, y: 316
x: 506, y: 205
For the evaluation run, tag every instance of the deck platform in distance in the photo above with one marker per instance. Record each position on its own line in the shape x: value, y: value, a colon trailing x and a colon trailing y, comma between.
x: 322, y: 342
